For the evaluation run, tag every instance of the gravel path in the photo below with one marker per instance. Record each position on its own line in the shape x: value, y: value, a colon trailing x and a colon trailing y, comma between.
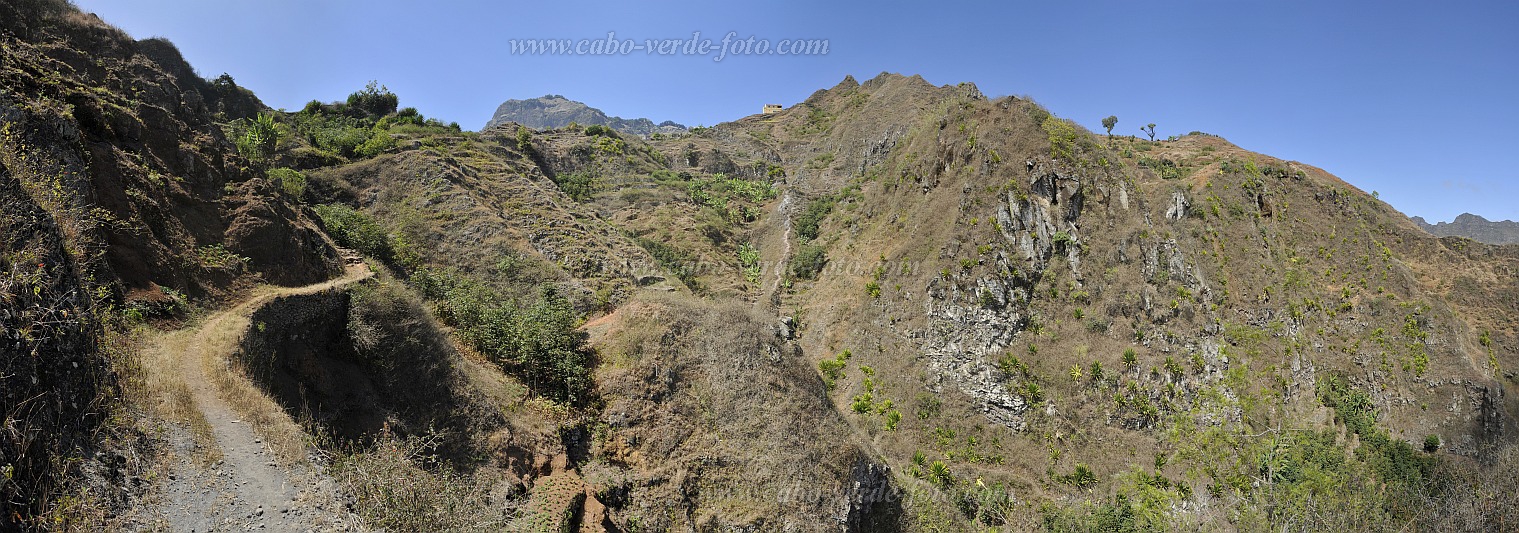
x: 250, y: 488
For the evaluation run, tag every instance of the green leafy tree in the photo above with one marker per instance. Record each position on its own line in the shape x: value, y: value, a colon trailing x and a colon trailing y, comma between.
x: 1108, y: 123
x: 374, y: 99
x: 551, y: 350
x: 524, y: 139
x: 1149, y: 129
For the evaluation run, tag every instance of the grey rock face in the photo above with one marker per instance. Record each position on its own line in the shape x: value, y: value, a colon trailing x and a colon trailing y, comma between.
x: 973, y: 320
x: 1178, y: 208
x: 1475, y: 228
x: 555, y: 111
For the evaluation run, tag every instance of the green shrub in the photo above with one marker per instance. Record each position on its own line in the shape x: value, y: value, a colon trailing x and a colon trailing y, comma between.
x: 379, y: 141
x: 1061, y: 239
x: 748, y: 260
x: 727, y: 196
x: 675, y: 260
x: 1062, y: 138
x: 551, y: 350
x: 524, y: 139
x: 1173, y: 367
x: 1031, y: 392
x: 259, y: 138
x: 809, y: 261
x: 599, y: 130
x: 1351, y: 407
x: 539, y: 343
x: 862, y: 403
x: 807, y: 223
x: 340, y: 139
x: 1082, y: 477
x: 833, y: 369
x: 1432, y: 443
x: 580, y: 186
x: 939, y: 474
x: 356, y: 230
x: 291, y: 181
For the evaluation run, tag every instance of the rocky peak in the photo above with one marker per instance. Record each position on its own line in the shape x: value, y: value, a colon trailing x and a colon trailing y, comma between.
x: 556, y: 111
x: 1474, y: 227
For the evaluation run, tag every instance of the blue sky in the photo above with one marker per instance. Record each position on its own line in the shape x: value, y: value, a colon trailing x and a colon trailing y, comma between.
x: 1410, y: 99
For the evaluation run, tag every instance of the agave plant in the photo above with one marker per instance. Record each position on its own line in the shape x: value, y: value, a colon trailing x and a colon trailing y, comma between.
x: 260, y: 136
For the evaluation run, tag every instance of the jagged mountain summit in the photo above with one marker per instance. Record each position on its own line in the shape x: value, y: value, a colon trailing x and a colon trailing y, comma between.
x: 1474, y: 227
x: 555, y: 111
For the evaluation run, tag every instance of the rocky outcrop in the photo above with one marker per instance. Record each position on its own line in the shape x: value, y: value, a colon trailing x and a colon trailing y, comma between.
x: 127, y: 127
x: 973, y: 321
x: 555, y: 111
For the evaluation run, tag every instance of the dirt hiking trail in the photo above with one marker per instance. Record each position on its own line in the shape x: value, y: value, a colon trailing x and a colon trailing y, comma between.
x: 236, y: 462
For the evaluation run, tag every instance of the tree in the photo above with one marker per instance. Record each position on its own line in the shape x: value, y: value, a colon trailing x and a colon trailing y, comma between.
x: 524, y: 139
x: 1108, y: 123
x: 1149, y: 129
x: 224, y: 84
x: 551, y: 351
x: 375, y: 100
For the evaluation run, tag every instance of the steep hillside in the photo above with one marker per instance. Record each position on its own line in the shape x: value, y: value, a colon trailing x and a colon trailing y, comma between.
x: 1083, y: 306
x: 122, y: 201
x: 1474, y: 227
x: 554, y: 111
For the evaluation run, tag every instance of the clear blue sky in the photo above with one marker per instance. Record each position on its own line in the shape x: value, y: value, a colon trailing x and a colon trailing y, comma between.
x: 1411, y: 99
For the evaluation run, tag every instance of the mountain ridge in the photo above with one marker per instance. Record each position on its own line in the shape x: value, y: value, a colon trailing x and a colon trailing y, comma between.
x: 555, y: 111
x: 1473, y: 227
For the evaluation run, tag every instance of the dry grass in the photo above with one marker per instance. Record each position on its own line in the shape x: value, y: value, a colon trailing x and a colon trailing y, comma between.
x: 394, y: 489
x: 218, y: 342
x: 165, y: 390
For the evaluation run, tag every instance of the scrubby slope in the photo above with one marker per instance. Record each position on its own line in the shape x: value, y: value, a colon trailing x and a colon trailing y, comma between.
x: 121, y: 198
x: 1002, y: 310
x: 998, y: 266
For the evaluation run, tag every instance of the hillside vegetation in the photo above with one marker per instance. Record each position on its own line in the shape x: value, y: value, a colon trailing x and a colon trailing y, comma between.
x: 891, y: 307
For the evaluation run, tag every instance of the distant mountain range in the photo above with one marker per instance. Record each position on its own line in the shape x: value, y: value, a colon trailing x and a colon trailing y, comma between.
x: 1474, y: 227
x: 555, y: 111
